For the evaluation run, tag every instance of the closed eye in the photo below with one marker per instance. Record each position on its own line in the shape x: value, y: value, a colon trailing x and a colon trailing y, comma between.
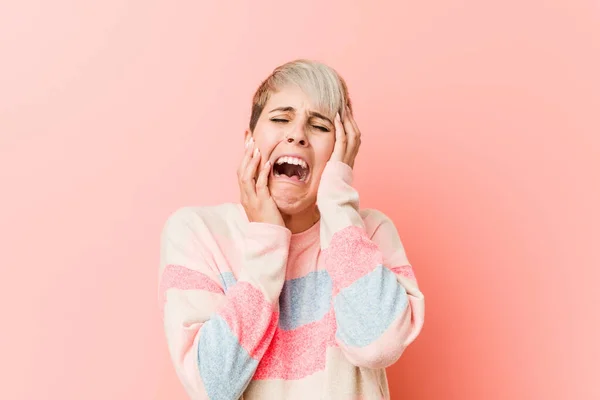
x: 285, y: 121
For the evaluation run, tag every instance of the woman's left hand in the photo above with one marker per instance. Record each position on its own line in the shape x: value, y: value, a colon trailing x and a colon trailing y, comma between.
x: 347, y: 139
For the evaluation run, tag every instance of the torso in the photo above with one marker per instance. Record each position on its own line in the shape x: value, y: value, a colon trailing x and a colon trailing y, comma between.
x: 303, y: 360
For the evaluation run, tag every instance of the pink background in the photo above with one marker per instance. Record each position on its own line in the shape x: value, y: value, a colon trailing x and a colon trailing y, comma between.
x: 481, y: 130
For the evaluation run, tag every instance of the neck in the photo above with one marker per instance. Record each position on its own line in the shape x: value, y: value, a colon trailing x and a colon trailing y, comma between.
x: 302, y: 221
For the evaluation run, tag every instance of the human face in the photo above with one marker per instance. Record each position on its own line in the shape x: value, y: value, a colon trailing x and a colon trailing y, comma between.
x: 291, y: 126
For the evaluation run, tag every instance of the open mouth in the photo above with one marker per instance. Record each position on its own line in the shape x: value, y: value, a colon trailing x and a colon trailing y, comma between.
x: 291, y: 167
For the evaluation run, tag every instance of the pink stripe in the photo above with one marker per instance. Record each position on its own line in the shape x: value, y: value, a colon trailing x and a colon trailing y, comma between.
x: 350, y: 256
x: 178, y: 277
x: 298, y: 353
x: 405, y: 270
x: 250, y: 317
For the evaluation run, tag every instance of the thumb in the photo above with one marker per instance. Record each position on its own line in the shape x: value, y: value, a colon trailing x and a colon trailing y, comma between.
x: 263, y: 179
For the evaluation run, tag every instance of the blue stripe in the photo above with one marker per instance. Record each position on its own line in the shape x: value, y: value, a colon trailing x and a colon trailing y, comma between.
x: 365, y: 309
x: 225, y: 366
x: 227, y: 280
x: 304, y: 300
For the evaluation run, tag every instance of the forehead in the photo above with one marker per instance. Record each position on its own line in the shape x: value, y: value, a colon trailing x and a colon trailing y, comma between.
x: 292, y: 96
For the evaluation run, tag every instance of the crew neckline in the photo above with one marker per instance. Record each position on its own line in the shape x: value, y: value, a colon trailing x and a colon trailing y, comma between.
x: 300, y: 239
x: 306, y: 237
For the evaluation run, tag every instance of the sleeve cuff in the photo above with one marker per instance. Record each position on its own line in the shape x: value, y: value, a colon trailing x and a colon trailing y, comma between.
x: 338, y: 169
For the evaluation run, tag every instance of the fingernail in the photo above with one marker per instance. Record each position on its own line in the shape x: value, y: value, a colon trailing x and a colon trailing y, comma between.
x: 256, y: 152
x: 267, y: 164
x: 337, y: 116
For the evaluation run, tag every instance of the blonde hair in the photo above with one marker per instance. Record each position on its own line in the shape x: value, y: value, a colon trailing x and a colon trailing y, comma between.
x: 325, y: 87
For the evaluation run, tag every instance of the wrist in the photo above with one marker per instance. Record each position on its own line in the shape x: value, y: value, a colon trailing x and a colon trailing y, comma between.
x: 267, y: 229
x: 338, y: 169
x: 276, y: 222
x: 336, y: 183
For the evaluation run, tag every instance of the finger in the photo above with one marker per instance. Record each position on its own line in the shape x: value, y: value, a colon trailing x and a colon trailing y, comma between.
x: 354, y: 153
x: 356, y: 131
x: 340, y: 139
x: 248, y: 175
x: 353, y: 121
x: 247, y: 157
x: 263, y: 179
x: 350, y: 138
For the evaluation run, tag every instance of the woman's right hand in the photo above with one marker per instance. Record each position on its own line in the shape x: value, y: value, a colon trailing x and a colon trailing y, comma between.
x: 255, y: 196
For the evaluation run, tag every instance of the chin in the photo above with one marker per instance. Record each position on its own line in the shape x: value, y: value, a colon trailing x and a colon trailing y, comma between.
x: 290, y: 205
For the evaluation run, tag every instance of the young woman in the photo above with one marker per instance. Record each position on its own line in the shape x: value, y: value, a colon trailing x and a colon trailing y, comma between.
x: 295, y: 292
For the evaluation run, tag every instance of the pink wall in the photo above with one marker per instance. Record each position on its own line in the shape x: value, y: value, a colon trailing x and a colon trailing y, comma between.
x: 480, y: 138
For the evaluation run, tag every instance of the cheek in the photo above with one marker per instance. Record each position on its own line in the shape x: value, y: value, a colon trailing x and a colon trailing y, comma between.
x: 323, y: 149
x: 266, y: 139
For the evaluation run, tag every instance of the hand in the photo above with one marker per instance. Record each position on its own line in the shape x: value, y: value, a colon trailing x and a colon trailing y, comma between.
x: 254, y: 193
x: 347, y: 139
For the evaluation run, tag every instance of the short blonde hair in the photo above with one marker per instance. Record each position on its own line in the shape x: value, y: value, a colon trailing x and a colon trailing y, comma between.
x: 326, y: 88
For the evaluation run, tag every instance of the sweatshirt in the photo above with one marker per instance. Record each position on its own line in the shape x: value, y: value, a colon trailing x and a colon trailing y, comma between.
x: 252, y: 311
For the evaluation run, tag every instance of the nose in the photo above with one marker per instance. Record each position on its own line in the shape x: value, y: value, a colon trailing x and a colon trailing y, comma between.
x: 297, y: 135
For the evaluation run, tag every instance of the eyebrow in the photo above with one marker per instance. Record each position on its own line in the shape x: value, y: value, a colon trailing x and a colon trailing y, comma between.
x: 311, y: 113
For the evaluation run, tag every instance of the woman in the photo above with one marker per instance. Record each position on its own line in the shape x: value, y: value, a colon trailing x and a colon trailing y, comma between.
x: 295, y: 293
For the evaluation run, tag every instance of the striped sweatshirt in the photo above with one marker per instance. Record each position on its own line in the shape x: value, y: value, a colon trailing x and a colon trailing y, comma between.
x: 252, y: 311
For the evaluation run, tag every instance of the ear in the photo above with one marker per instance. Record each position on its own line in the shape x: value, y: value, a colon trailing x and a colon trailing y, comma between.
x: 247, y: 135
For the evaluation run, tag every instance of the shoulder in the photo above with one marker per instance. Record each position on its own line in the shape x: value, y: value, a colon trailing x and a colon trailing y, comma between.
x: 203, y: 219
x: 381, y: 230
x: 191, y: 235
x: 376, y: 220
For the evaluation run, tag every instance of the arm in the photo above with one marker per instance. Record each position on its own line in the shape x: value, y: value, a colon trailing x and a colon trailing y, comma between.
x: 217, y: 339
x: 378, y: 306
